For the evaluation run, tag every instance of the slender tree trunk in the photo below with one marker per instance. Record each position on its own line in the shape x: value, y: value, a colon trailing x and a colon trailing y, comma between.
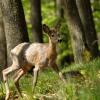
x: 59, y: 12
x: 86, y: 16
x: 3, y: 59
x: 59, y: 8
x: 36, y: 20
x: 75, y: 28
x: 15, y: 25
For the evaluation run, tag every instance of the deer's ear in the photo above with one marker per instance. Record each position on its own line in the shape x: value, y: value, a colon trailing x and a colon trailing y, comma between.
x: 45, y: 28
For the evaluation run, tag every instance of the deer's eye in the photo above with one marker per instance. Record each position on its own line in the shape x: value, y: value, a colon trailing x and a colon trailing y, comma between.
x: 52, y: 35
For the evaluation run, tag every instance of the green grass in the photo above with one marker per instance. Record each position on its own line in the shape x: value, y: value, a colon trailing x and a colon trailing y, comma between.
x: 50, y: 86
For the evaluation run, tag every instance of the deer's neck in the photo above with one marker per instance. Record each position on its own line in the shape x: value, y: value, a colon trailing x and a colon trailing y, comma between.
x: 52, y: 46
x: 52, y: 49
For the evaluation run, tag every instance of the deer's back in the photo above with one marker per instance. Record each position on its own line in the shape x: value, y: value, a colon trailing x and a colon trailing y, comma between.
x: 35, y: 53
x: 17, y: 53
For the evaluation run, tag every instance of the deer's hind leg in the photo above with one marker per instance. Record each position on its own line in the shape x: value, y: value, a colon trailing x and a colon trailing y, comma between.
x: 35, y: 77
x: 19, y: 74
x: 6, y: 72
x: 56, y: 69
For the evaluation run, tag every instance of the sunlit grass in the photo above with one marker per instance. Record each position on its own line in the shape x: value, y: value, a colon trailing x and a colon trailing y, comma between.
x: 50, y: 86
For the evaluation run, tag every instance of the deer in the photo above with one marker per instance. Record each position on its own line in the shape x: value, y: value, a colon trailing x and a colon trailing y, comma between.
x: 26, y: 55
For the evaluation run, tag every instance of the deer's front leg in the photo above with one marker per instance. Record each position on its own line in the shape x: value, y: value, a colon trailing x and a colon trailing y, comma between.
x: 5, y: 78
x: 35, y: 77
x: 56, y: 69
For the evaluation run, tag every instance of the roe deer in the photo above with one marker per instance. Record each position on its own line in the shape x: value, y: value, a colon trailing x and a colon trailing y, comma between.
x: 25, y: 55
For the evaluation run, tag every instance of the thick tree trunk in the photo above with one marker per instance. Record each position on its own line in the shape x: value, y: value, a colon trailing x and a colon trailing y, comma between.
x: 14, y: 22
x: 85, y: 13
x: 3, y: 59
x: 75, y: 28
x: 36, y: 20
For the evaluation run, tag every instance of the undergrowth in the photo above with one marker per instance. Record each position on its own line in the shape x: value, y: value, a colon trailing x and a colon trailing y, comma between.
x: 50, y: 87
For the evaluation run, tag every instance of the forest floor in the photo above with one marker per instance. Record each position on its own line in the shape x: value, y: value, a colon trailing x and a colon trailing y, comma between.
x: 83, y: 83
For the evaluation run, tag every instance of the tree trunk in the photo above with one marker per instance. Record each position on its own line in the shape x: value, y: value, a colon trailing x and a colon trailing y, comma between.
x: 59, y: 8
x: 14, y: 23
x: 3, y: 59
x: 36, y: 20
x: 85, y: 13
x: 75, y: 28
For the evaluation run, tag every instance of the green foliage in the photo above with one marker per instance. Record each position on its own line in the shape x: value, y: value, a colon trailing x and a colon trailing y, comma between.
x: 97, y: 20
x: 96, y: 15
x: 48, y: 12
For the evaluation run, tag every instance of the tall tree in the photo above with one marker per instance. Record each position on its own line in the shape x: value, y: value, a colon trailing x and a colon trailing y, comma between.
x: 85, y: 12
x: 75, y: 28
x: 36, y: 20
x: 2, y: 44
x: 59, y: 8
x: 14, y: 23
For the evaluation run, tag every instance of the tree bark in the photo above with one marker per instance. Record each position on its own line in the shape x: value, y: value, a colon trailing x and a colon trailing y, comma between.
x: 59, y: 9
x: 14, y: 23
x: 75, y: 28
x: 36, y: 20
x: 3, y: 59
x: 85, y: 12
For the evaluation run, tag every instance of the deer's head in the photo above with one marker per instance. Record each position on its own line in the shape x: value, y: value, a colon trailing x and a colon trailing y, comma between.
x: 53, y: 33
